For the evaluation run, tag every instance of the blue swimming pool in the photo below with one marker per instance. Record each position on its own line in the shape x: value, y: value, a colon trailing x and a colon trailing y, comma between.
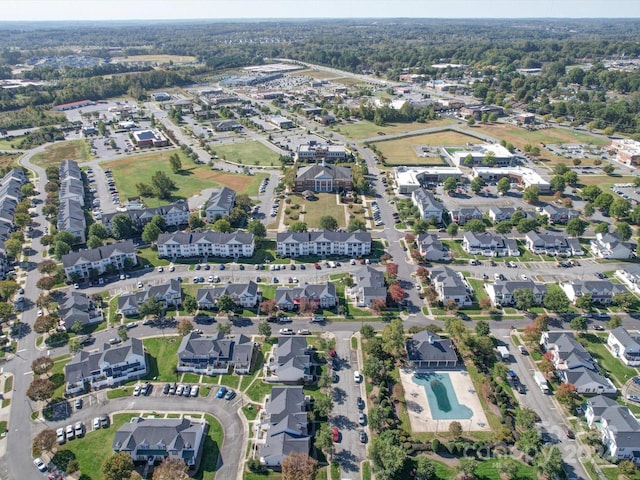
x: 442, y: 398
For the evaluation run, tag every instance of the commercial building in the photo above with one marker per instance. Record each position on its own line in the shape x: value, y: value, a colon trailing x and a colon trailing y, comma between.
x: 149, y: 138
x: 525, y: 177
x: 281, y: 122
x: 317, y: 152
x: 487, y: 154
x: 477, y: 111
x: 323, y: 178
x: 626, y: 151
x: 409, y: 179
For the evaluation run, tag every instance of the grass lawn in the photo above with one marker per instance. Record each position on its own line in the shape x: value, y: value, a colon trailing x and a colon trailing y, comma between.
x: 211, y: 450
x: 613, y: 473
x: 478, y: 288
x: 9, y: 160
x: 249, y: 153
x: 57, y: 374
x: 402, y: 151
x: 617, y: 370
x: 365, y: 129
x: 119, y: 392
x: 150, y: 256
x: 72, y: 150
x: 163, y: 357
x: 488, y: 470
x: 10, y: 143
x: 8, y: 384
x: 326, y: 204
x: 605, y: 181
x: 190, y: 181
x: 258, y: 389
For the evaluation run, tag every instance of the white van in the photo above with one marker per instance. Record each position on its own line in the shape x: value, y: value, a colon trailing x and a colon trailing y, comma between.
x: 357, y: 377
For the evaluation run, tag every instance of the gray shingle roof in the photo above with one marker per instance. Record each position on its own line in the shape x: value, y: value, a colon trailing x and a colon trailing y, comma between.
x: 218, y: 238
x: 333, y: 171
x: 324, y: 236
x: 95, y: 254
x: 167, y: 434
x: 426, y: 346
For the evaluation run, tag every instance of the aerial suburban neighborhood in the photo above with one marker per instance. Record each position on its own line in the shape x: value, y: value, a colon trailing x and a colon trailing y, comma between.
x: 262, y: 256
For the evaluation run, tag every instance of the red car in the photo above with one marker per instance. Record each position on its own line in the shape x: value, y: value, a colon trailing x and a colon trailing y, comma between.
x: 316, y: 266
x: 336, y: 434
x: 332, y: 353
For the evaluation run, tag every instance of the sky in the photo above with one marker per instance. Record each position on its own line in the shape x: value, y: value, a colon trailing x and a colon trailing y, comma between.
x: 42, y: 10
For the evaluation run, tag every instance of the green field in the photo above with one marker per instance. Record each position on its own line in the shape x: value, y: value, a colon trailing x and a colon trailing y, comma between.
x: 162, y: 357
x: 10, y: 143
x: 365, y: 129
x: 71, y: 150
x: 249, y: 153
x: 193, y: 178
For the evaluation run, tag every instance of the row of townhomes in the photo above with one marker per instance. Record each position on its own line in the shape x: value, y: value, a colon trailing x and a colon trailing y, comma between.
x: 174, y: 214
x: 575, y: 365
x: 625, y: 346
x: 96, y: 261
x: 216, y: 355
x: 246, y: 295
x: 451, y: 286
x: 205, y: 244
x: 219, y: 204
x: 630, y: 276
x: 168, y: 294
x: 610, y: 245
x: 620, y: 429
x: 76, y: 308
x: 489, y: 245
x: 432, y: 249
x: 71, y: 195
x: 323, y: 242
x: 10, y: 197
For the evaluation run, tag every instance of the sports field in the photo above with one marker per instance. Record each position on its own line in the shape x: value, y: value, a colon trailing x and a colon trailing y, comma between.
x: 251, y: 153
x: 403, y: 150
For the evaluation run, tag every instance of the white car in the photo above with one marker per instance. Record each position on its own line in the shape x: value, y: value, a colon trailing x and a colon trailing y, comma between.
x: 137, y: 390
x: 139, y: 284
x: 96, y: 423
x: 40, y: 313
x: 60, y: 436
x: 286, y: 331
x: 524, y: 277
x: 40, y: 465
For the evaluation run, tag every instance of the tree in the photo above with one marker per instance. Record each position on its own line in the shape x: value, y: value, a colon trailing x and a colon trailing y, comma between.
x: 626, y: 467
x: 74, y: 345
x: 222, y: 225
x: 549, y: 461
x: 425, y: 469
x: 185, y: 327
x: 14, y: 247
x: 527, y: 225
x: 387, y: 454
x: 144, y: 189
x: 195, y: 221
x: 190, y: 304
x: 626, y: 301
x: 224, y: 328
x: 322, y: 406
x: 422, y: 273
x: 60, y: 249
x: 590, y: 193
x: 601, y: 227
x: 566, y: 395
x: 603, y: 201
x: 47, y: 266
x: 367, y: 331
x: 257, y: 228
x: 269, y: 307
x: 507, y: 468
x: 504, y: 185
x: 558, y: 184
x: 571, y: 178
x: 176, y: 164
x: 578, y: 323
x: 482, y: 328
x: 619, y: 208
x: 324, y: 439
x: 264, y: 329
x: 476, y: 185
x: 298, y: 466
x: 420, y: 226
x: 378, y: 305
x: 44, y: 324
x: 46, y: 283
x: 356, y: 224
x: 531, y: 194
x: 226, y: 304
x: 560, y: 169
x: 42, y: 365
x: 122, y: 226
x: 94, y: 242
x: 584, y: 302
x: 529, y: 441
x: 392, y: 270
x: 171, y: 469
x: 624, y: 231
x: 40, y: 389
x: 118, y: 466
x: 393, y: 338
x: 327, y: 222
x: 45, y: 441
x: 475, y: 226
x: 588, y: 210
x: 468, y: 467
x: 576, y: 227
x: 504, y: 228
x: 556, y: 300
x: 450, y: 184
x: 162, y: 185
x: 525, y: 419
x: 608, y: 169
x: 150, y: 233
x: 298, y: 227
x: 152, y: 306
x: 375, y: 369
x: 98, y: 230
x: 397, y: 293
x: 452, y: 229
x: 455, y: 429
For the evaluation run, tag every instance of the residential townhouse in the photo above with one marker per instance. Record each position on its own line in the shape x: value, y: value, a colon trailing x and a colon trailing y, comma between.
x: 323, y: 242
x: 10, y: 196
x: 489, y: 245
x: 551, y: 244
x: 505, y: 214
x: 625, y: 346
x: 76, y: 307
x: 215, y: 355
x: 107, y: 366
x: 220, y: 203
x: 291, y: 361
x: 630, y: 276
x: 465, y: 214
x: 601, y: 291
x: 620, y: 429
x: 245, y: 295
x: 95, y: 261
x: 285, y: 426
x: 432, y: 249
x: 559, y: 214
x: 71, y: 218
x: 427, y: 350
x: 575, y: 365
x: 427, y: 204
x: 322, y: 295
x: 368, y: 285
x: 610, y: 245
x: 168, y: 294
x: 205, y: 244
x: 451, y: 286
x: 71, y: 189
x: 174, y: 214
x: 502, y: 291
x: 151, y: 440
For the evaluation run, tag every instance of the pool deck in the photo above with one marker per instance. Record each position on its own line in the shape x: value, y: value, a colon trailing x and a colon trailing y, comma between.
x: 420, y: 412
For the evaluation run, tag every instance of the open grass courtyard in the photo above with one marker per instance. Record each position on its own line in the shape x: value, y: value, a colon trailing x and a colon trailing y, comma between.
x: 77, y: 150
x: 366, y: 129
x: 191, y: 180
x: 250, y: 153
x: 162, y: 357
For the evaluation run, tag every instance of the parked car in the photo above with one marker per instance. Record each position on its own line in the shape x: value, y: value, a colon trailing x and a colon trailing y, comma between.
x: 286, y: 331
x: 194, y: 390
x: 79, y: 429
x: 362, y: 419
x: 40, y: 465
x: 221, y: 393
x: 60, y: 436
x: 335, y: 433
x: 230, y: 395
x: 357, y: 377
x: 362, y: 436
x: 165, y: 389
x: 137, y: 390
x: 78, y: 404
x: 179, y: 390
x: 96, y: 423
x: 360, y: 403
x: 69, y: 432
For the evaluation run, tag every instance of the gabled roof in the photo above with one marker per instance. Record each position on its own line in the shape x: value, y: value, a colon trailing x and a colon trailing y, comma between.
x: 427, y: 200
x: 216, y: 346
x: 96, y: 254
x: 330, y: 171
x: 222, y: 198
x: 310, y: 292
x: 631, y: 344
x: 510, y: 286
x: 206, y: 237
x: 429, y: 241
x: 426, y: 346
x: 234, y: 290
x: 164, y: 434
x: 452, y: 284
x: 583, y: 377
x: 85, y: 364
x: 329, y: 236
